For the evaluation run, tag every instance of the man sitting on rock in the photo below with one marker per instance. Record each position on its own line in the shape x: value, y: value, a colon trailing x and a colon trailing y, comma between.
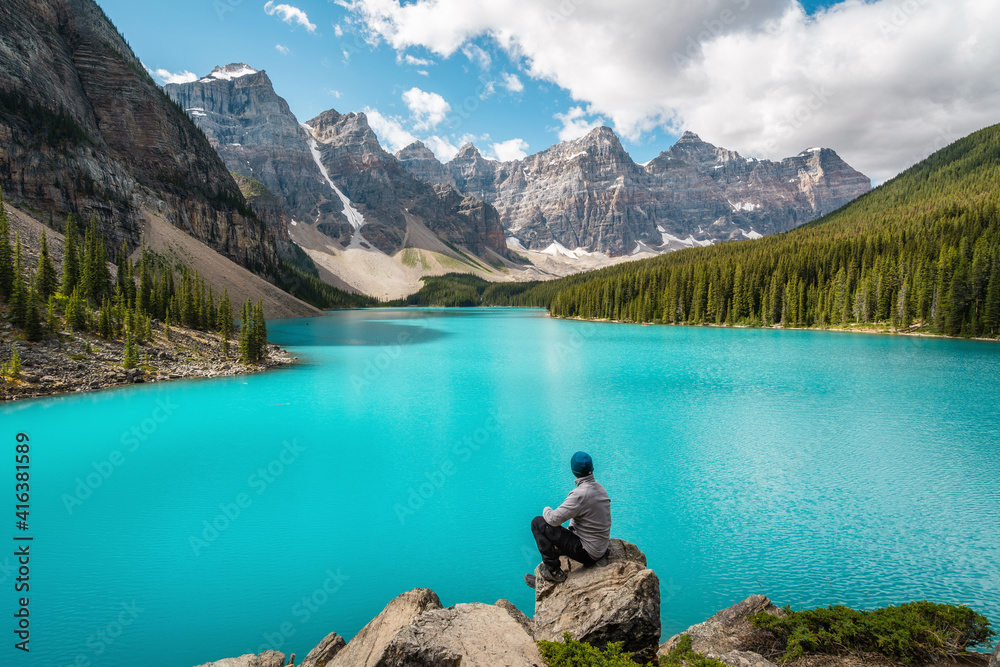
x: 588, y: 536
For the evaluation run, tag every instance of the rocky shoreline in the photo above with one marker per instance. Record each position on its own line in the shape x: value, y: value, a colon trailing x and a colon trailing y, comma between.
x: 619, y: 602
x: 78, y: 361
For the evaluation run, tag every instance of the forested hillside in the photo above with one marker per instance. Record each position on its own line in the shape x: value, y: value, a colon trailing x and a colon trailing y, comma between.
x: 920, y: 251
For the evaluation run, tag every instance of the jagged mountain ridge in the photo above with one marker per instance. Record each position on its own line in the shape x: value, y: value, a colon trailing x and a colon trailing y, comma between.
x: 331, y: 172
x: 589, y: 194
x: 85, y: 130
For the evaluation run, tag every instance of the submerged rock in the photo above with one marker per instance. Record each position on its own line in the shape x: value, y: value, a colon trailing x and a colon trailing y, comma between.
x: 470, y: 635
x: 367, y: 647
x: 598, y: 605
x: 265, y: 659
x: 324, y: 651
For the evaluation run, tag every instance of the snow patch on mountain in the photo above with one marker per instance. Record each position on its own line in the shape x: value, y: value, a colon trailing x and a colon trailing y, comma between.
x: 352, y: 214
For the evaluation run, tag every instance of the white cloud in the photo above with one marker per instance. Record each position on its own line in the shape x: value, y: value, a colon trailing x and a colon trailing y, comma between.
x: 413, y: 60
x: 575, y: 125
x: 883, y: 82
x: 337, y: 30
x: 512, y: 82
x: 335, y: 93
x: 428, y: 109
x: 289, y: 15
x: 283, y: 50
x: 423, y: 72
x: 389, y: 130
x: 478, y: 56
x: 166, y: 76
x: 443, y: 149
x: 512, y: 149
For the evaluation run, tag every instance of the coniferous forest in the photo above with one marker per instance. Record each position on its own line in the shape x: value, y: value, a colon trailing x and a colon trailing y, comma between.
x: 920, y: 252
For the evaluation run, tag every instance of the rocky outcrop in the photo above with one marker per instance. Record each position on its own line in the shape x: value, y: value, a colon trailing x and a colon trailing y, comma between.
x: 470, y: 635
x: 729, y: 630
x: 368, y: 647
x: 265, y: 659
x: 84, y: 129
x: 995, y: 660
x: 325, y: 651
x: 598, y: 605
x: 589, y: 194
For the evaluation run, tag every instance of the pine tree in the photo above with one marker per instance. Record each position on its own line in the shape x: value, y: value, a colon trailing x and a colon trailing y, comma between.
x: 96, y: 278
x: 260, y: 332
x: 33, y: 330
x: 6, y: 256
x: 52, y: 316
x: 46, y: 281
x: 71, y: 258
x: 105, y: 329
x: 245, y: 334
x: 19, y: 293
x: 131, y: 355
x: 12, y: 369
x: 991, y: 309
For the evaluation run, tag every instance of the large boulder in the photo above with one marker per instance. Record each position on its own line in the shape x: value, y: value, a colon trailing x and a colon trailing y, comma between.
x: 995, y: 660
x: 730, y: 630
x: 265, y: 659
x: 367, y: 647
x: 324, y: 651
x: 619, y: 602
x: 470, y: 635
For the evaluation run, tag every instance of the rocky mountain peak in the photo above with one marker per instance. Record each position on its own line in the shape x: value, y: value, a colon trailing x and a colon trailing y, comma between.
x: 689, y: 137
x: 468, y: 152
x: 229, y: 72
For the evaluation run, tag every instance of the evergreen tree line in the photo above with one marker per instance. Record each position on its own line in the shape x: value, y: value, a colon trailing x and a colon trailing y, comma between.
x: 922, y: 249
x: 85, y: 297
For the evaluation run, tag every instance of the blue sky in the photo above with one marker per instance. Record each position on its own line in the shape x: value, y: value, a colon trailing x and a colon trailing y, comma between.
x: 493, y: 74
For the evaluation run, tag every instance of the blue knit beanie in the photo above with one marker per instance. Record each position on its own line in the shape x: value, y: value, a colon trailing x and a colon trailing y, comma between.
x: 581, y: 464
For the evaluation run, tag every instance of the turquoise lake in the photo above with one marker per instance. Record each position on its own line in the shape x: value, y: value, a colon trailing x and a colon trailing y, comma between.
x: 411, y: 448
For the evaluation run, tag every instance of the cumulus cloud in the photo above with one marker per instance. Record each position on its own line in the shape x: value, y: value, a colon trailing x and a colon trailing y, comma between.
x: 166, y: 76
x: 337, y: 30
x: 883, y: 82
x: 575, y: 124
x: 290, y: 15
x: 511, y: 82
x: 478, y: 56
x: 413, y: 60
x: 428, y: 109
x: 389, y: 130
x: 283, y: 50
x: 512, y: 149
x: 443, y: 149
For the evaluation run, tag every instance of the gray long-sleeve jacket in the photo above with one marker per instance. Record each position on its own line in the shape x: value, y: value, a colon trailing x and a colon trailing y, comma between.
x: 589, y: 507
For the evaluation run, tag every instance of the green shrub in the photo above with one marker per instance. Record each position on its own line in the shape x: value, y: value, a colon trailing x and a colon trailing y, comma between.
x: 682, y: 655
x: 570, y: 653
x: 915, y: 631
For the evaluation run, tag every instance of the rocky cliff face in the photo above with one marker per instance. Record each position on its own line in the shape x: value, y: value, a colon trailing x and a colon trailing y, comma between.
x: 589, y: 194
x: 257, y: 136
x: 84, y: 129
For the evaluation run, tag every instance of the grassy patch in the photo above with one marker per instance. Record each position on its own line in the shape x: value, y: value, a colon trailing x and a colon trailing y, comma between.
x: 570, y: 653
x: 915, y: 631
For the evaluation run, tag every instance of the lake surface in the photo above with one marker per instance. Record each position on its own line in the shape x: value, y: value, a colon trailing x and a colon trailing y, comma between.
x: 412, y: 448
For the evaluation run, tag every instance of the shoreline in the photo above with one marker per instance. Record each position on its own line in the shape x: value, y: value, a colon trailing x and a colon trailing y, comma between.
x: 865, y: 330
x: 77, y: 362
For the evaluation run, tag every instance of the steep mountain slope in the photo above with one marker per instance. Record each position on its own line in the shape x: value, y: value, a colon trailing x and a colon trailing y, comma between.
x: 921, y: 251
x: 366, y: 222
x: 588, y: 194
x: 84, y: 129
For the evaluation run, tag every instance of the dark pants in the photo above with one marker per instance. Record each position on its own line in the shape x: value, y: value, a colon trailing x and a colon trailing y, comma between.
x: 555, y: 541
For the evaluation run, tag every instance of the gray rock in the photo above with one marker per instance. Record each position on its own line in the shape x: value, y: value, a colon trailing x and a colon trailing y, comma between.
x: 265, y: 659
x: 367, y: 647
x: 729, y: 630
x: 742, y: 659
x: 995, y: 660
x: 324, y: 651
x: 470, y: 635
x: 598, y: 605
x: 517, y: 614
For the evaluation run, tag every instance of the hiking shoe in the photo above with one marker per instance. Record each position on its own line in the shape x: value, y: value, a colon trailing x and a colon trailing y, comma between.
x: 530, y: 580
x: 602, y: 561
x: 556, y: 575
